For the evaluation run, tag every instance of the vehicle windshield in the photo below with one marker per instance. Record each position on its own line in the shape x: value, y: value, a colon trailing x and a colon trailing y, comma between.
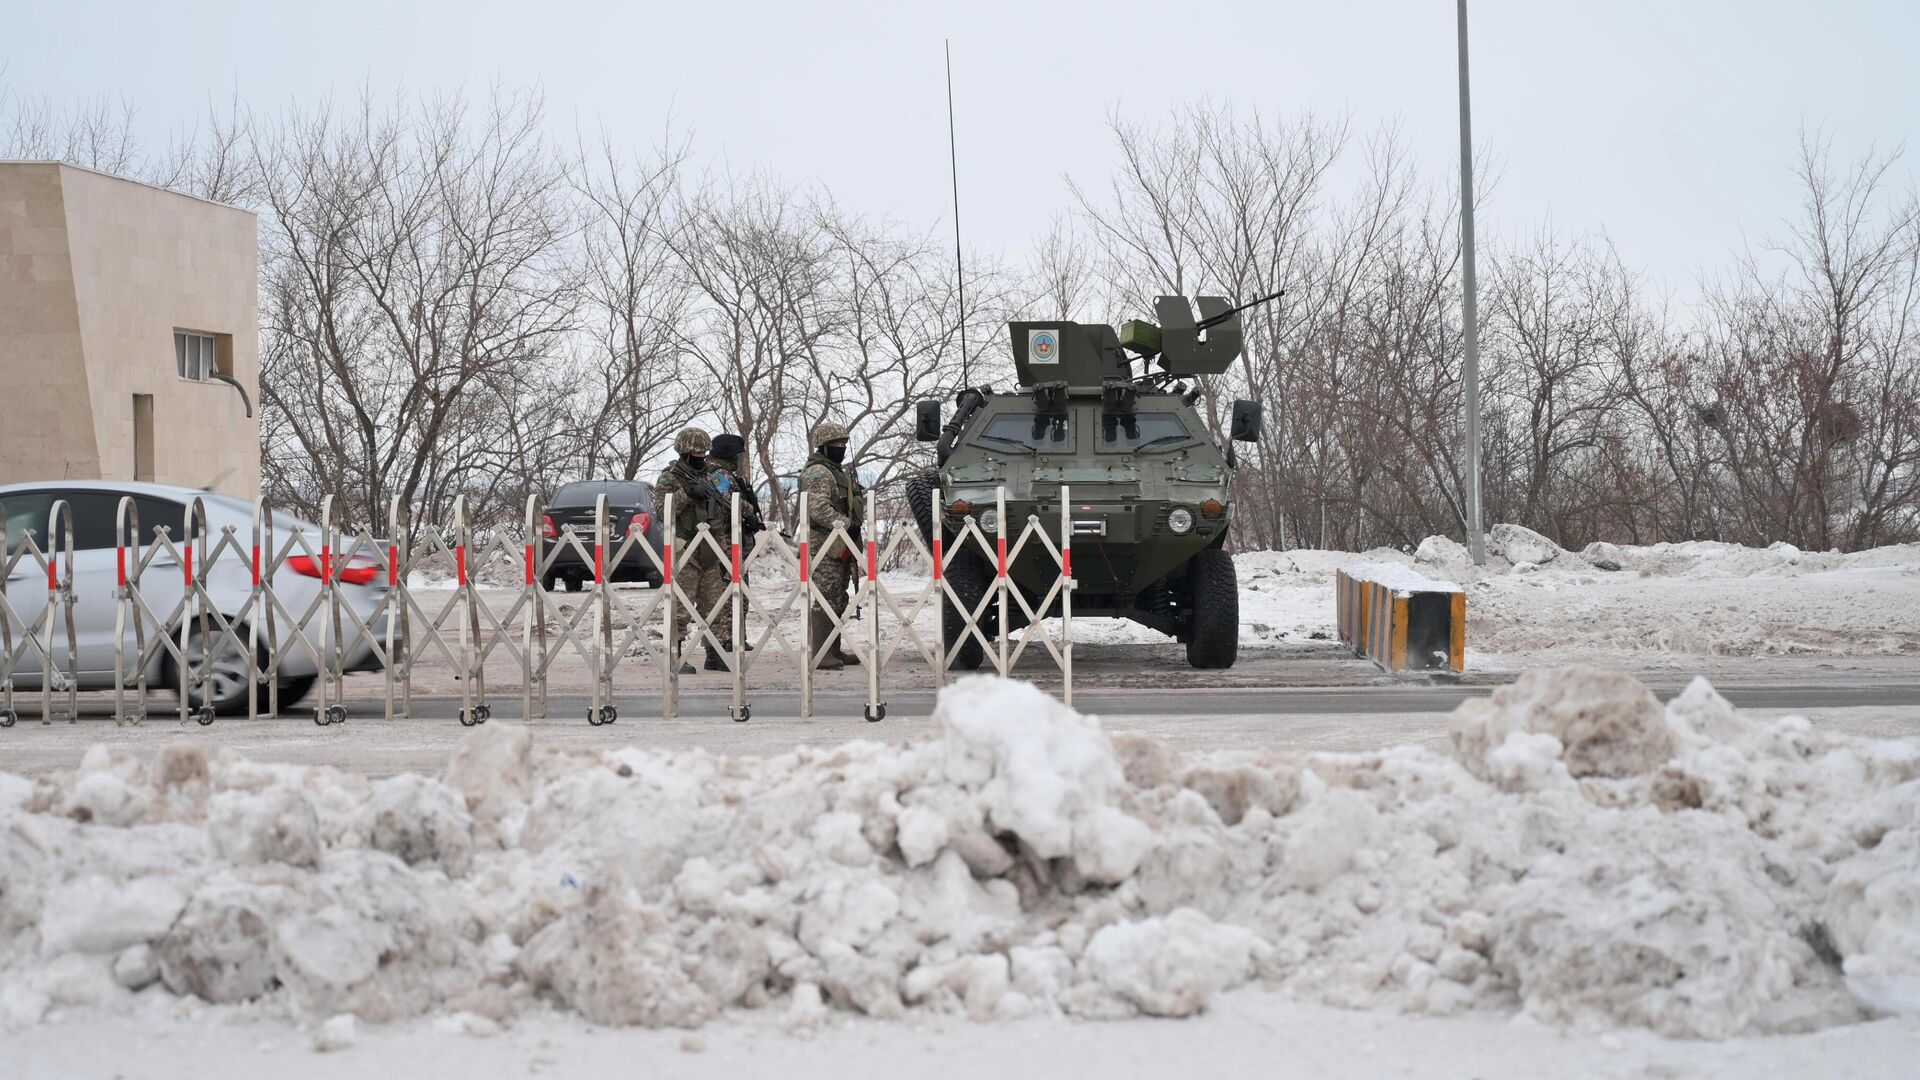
x: 1125, y: 433
x: 1035, y: 432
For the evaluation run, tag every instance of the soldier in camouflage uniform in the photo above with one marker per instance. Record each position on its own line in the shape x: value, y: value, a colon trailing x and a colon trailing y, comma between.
x: 699, y: 497
x: 834, y: 500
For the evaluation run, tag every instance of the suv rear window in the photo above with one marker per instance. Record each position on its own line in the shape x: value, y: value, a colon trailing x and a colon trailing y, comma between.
x: 629, y: 493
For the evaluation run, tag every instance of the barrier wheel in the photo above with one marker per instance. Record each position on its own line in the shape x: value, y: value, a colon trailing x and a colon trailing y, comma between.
x: 204, y: 715
x: 8, y: 718
x: 876, y: 713
x: 608, y: 714
x: 742, y: 714
x: 469, y: 719
x: 336, y: 714
x: 482, y: 713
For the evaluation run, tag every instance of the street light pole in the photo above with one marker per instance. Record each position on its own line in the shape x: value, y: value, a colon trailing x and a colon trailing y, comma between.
x: 1470, y: 310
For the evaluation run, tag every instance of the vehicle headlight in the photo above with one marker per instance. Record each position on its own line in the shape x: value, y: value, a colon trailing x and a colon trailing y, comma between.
x: 1180, y: 520
x: 990, y: 520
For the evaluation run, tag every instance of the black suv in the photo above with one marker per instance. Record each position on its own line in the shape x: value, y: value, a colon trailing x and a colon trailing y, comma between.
x: 629, y: 510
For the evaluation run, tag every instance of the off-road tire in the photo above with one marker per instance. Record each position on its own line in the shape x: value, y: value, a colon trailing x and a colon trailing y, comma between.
x: 1213, y: 639
x: 920, y: 501
x: 968, y: 574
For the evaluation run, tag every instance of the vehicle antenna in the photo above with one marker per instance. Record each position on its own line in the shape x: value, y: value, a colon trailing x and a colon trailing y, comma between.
x: 959, y: 268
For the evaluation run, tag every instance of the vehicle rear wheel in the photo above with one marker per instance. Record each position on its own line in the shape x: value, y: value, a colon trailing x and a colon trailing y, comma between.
x: 550, y: 581
x: 1213, y: 591
x: 575, y: 582
x: 967, y: 575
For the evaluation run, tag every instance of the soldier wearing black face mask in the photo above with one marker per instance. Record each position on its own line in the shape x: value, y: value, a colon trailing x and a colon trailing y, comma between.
x: 699, y: 498
x: 835, y: 500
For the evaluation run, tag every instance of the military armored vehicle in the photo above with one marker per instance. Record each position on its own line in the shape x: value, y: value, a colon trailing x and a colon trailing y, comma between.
x: 1151, y: 490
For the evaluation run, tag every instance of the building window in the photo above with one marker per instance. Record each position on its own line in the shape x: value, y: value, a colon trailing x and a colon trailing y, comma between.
x: 196, y: 356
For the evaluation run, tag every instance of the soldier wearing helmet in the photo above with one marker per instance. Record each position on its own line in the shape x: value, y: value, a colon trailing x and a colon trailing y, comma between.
x: 835, y: 500
x: 700, y: 497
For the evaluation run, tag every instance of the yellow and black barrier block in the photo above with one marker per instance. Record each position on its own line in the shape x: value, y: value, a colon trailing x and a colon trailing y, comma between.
x: 1400, y: 619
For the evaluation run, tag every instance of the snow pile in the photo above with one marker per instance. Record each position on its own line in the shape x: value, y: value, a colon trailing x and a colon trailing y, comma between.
x: 1401, y: 579
x: 1585, y: 854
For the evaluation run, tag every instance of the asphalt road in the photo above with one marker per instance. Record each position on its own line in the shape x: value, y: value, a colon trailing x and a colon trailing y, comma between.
x: 1286, y: 720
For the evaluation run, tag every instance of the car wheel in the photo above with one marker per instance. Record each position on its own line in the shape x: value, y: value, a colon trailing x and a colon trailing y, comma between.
x: 967, y: 576
x: 229, y: 675
x: 550, y: 581
x: 575, y: 583
x: 1214, y: 598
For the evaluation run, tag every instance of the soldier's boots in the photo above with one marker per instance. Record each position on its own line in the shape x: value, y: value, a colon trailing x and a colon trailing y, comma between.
x: 844, y: 655
x: 822, y: 626
x: 714, y: 662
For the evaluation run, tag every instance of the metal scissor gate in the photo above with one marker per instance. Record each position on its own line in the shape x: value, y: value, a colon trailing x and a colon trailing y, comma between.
x: 278, y: 604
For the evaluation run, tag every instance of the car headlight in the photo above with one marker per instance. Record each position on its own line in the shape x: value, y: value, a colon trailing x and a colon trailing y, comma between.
x: 1180, y: 520
x: 990, y: 520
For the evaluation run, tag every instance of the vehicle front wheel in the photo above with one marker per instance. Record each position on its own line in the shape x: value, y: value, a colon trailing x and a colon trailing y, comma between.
x: 227, y: 681
x: 967, y: 574
x: 1213, y: 596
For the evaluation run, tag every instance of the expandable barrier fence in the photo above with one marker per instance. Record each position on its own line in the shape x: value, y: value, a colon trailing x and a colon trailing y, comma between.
x: 1400, y: 620
x: 225, y: 610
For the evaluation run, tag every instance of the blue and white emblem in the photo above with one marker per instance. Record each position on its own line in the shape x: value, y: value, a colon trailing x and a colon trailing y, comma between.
x: 1043, y: 347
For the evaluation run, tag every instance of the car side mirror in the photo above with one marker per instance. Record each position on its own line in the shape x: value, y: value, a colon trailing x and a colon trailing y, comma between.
x: 1246, y: 421
x: 926, y: 421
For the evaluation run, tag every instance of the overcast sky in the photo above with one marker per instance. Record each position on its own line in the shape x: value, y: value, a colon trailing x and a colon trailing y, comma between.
x: 1670, y: 125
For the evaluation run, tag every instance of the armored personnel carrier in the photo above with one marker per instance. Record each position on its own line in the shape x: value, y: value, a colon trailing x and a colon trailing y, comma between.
x: 1151, y: 490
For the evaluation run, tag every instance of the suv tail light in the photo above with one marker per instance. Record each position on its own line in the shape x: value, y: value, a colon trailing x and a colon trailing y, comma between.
x: 357, y: 572
x: 639, y: 524
x: 547, y: 529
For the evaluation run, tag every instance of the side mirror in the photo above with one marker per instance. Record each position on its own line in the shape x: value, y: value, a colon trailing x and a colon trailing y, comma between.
x: 926, y: 421
x: 1246, y: 421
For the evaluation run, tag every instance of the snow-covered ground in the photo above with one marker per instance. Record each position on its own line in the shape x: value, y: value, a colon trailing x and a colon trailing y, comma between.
x: 1651, y: 880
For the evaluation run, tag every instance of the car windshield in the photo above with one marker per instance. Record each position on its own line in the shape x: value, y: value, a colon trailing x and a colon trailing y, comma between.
x: 1037, y: 432
x: 1123, y: 432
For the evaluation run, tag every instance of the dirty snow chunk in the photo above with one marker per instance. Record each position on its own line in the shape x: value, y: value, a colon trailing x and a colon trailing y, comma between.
x: 922, y: 833
x: 277, y: 824
x: 94, y: 914
x: 136, y: 968
x: 420, y: 820
x: 338, y: 1033
x: 1608, y: 724
x: 465, y: 1023
x: 1445, y: 554
x: 1035, y: 763
x: 1527, y: 761
x: 218, y: 949
x: 617, y: 962
x: 1401, y: 579
x: 1171, y: 965
x: 1663, y: 921
x: 105, y: 797
x: 1873, y: 918
x: 1322, y: 837
x: 1518, y: 544
x: 1700, y: 715
x: 492, y: 769
x: 1108, y: 845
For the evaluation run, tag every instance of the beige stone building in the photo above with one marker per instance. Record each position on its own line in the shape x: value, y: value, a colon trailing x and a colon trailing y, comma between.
x: 121, y: 304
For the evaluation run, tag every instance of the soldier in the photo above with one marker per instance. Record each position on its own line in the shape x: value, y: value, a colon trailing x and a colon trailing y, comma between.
x: 834, y: 500
x: 698, y: 498
x: 727, y: 455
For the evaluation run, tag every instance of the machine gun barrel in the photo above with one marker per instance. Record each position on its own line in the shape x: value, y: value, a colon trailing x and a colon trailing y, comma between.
x: 1216, y: 320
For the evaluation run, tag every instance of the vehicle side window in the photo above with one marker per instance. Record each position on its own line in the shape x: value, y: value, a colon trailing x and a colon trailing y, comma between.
x: 26, y: 510
x: 155, y: 513
x: 93, y: 518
